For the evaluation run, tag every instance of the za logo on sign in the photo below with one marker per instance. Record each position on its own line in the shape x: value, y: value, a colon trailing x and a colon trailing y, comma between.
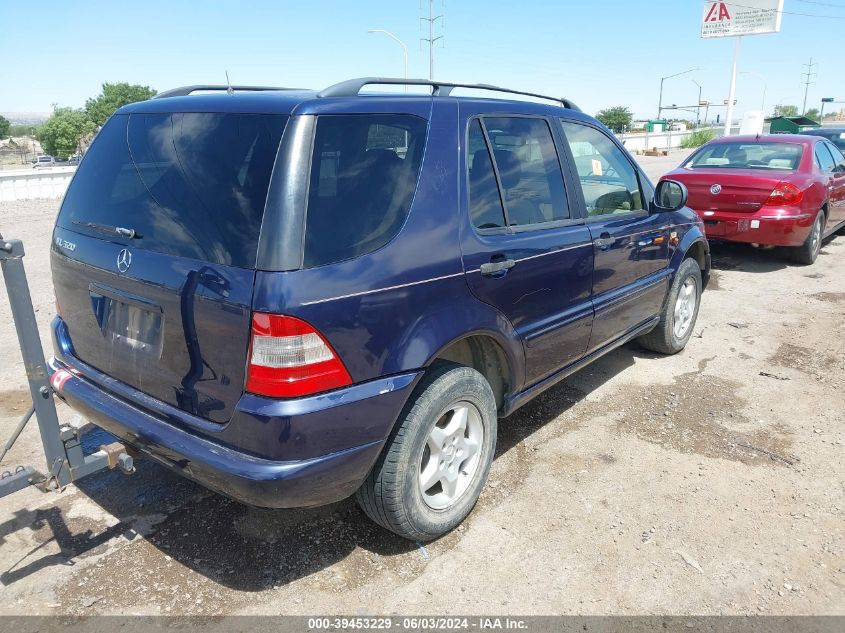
x: 718, y: 12
x: 714, y: 189
x: 124, y: 260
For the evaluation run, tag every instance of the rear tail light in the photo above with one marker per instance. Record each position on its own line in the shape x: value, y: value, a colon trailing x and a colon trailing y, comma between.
x: 784, y: 193
x: 289, y: 358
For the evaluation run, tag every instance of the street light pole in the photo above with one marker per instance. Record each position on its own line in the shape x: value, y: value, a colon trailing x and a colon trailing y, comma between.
x: 400, y: 42
x: 662, y: 79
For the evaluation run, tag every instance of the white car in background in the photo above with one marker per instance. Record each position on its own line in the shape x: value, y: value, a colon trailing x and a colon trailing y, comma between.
x: 43, y: 161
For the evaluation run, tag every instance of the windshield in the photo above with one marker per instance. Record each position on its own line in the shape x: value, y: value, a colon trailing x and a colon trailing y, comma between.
x: 186, y: 184
x: 738, y: 155
x: 837, y: 138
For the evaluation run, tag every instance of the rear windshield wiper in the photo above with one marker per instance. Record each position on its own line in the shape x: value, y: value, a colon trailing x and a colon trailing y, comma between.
x: 110, y: 230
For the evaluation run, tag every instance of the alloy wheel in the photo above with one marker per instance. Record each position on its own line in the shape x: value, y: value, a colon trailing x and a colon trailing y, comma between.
x: 451, y: 455
x: 685, y: 306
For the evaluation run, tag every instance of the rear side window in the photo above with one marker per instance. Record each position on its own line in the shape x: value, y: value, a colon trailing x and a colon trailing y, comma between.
x: 189, y: 184
x: 838, y: 157
x: 823, y: 158
x: 364, y: 171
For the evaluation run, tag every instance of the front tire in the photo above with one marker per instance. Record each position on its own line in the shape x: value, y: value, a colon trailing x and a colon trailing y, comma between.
x: 680, y: 310
x: 808, y: 252
x: 436, y: 461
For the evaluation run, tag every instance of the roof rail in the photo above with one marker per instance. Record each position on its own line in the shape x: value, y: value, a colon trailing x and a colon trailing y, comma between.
x: 184, y: 91
x: 352, y: 87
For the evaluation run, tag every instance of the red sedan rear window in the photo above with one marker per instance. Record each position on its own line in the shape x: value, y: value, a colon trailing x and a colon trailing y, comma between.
x: 738, y: 155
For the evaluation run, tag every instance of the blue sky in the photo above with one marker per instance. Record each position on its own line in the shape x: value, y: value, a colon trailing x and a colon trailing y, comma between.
x: 598, y: 54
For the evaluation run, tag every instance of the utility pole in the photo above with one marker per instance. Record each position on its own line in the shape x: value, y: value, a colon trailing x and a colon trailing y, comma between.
x: 431, y: 19
x: 808, y: 82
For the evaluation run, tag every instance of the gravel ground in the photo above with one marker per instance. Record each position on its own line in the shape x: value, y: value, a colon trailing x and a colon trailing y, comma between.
x: 710, y: 482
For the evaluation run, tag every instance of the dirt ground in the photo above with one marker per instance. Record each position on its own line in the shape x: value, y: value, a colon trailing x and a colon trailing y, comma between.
x: 711, y: 482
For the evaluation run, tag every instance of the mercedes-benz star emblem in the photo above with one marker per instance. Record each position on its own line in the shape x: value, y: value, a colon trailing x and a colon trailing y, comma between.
x: 124, y: 260
x: 714, y: 189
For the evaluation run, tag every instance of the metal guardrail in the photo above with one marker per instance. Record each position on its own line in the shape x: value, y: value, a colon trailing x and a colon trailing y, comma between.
x: 61, y: 442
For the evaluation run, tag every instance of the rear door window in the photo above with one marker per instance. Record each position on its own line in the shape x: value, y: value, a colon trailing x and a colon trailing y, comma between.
x: 529, y: 170
x: 823, y: 158
x: 364, y: 172
x: 838, y: 157
x: 188, y: 184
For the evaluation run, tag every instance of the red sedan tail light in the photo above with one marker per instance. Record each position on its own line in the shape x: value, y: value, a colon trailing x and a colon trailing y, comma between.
x: 784, y: 194
x: 290, y: 358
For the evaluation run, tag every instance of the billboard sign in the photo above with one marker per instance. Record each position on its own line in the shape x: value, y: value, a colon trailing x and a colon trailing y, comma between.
x: 748, y: 17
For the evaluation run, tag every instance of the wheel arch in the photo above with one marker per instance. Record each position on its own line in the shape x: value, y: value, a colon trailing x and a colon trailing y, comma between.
x: 694, y: 245
x: 484, y: 352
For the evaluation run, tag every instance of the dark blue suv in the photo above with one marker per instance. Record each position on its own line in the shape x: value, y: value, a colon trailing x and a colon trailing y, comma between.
x: 294, y: 296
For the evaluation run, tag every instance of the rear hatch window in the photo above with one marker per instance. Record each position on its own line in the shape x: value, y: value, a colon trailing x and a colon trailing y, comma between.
x: 154, y: 253
x: 186, y: 184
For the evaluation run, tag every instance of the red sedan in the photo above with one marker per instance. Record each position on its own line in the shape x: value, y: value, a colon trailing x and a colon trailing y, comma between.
x: 774, y: 190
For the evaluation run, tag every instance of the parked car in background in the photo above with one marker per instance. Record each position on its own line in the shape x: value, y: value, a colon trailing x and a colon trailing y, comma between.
x: 776, y: 190
x: 291, y: 296
x: 835, y: 135
x: 43, y: 161
x: 74, y: 159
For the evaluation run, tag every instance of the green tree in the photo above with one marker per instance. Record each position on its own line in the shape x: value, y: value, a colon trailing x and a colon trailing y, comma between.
x: 60, y: 136
x: 616, y: 118
x: 4, y: 126
x: 786, y: 110
x: 113, y: 96
x: 812, y: 113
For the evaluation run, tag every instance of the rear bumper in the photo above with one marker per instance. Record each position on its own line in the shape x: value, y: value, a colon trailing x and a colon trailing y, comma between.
x: 770, y: 226
x: 357, y: 420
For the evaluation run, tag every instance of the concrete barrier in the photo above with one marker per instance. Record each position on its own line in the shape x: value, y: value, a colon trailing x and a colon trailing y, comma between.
x: 664, y: 140
x: 26, y: 184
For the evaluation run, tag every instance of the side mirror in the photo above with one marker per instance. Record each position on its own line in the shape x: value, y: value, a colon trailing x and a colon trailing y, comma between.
x: 669, y: 195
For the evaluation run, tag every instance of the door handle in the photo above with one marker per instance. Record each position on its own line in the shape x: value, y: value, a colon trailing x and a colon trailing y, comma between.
x: 492, y: 268
x: 604, y: 241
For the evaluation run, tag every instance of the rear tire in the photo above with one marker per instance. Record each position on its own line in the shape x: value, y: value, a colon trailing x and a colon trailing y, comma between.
x: 435, y: 463
x: 808, y: 252
x: 680, y: 310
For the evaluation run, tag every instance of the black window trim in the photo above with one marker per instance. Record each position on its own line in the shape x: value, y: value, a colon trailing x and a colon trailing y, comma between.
x: 497, y: 230
x: 644, y: 192
x: 513, y: 229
